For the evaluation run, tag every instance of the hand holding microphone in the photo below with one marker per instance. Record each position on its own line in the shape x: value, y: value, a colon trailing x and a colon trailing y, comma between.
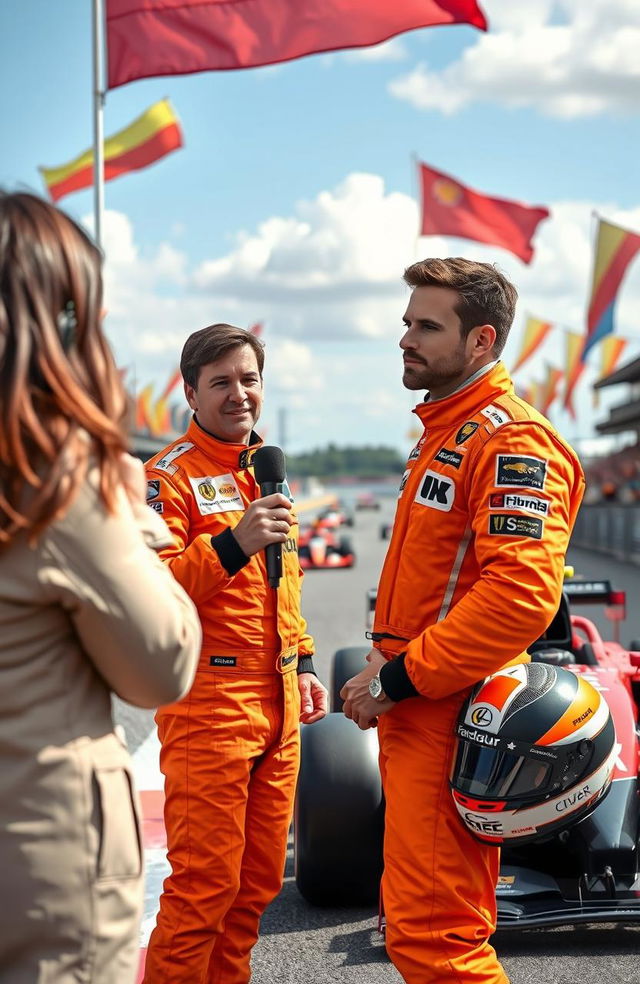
x: 267, y: 521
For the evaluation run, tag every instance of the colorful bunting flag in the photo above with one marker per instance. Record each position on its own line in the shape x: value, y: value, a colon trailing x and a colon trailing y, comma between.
x: 535, y: 332
x: 615, y: 249
x: 574, y: 368
x: 176, y: 37
x: 549, y: 389
x: 153, y: 135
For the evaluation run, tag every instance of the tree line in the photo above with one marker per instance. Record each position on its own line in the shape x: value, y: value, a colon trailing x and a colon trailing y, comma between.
x: 332, y: 461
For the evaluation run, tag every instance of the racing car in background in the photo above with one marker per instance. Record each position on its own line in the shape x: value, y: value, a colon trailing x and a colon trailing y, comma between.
x: 588, y: 873
x: 319, y: 546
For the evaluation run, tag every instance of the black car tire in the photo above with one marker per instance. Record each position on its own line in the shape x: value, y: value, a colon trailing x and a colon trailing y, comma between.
x: 339, y: 815
x: 346, y: 663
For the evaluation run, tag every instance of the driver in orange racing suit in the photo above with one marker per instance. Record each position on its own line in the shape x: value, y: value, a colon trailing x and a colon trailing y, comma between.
x: 473, y: 575
x: 230, y: 748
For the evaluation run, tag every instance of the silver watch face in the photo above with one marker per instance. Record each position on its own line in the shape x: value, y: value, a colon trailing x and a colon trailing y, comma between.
x: 375, y: 687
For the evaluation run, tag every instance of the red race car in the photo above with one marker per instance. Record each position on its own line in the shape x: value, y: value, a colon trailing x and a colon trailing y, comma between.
x: 319, y: 546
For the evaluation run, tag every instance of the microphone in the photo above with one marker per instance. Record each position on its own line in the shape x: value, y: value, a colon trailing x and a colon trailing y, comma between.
x: 270, y: 470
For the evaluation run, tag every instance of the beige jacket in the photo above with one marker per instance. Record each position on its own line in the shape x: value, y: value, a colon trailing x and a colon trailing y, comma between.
x: 87, y: 611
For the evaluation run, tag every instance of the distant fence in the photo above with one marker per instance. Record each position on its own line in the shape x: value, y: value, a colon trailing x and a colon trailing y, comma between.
x: 610, y: 529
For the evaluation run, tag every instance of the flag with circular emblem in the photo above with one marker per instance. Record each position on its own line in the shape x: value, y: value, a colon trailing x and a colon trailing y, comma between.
x: 450, y: 208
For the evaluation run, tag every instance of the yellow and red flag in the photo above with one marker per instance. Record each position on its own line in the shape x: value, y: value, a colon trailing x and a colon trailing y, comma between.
x: 535, y: 332
x: 153, y: 135
x: 612, y: 349
x: 172, y: 382
x: 615, y: 249
x: 574, y: 367
x: 549, y: 389
x: 144, y: 415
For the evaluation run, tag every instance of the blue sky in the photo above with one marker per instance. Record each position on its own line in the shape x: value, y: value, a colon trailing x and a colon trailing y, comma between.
x: 294, y: 199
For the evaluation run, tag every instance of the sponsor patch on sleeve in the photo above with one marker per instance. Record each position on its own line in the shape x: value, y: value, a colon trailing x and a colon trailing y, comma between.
x: 157, y: 506
x: 448, y: 457
x: 403, y: 481
x: 520, y: 472
x: 153, y: 489
x: 506, y: 524
x: 521, y: 502
x: 166, y: 462
x: 496, y: 415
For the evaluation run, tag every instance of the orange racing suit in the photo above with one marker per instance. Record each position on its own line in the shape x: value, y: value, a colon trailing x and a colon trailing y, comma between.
x: 473, y: 575
x: 230, y: 749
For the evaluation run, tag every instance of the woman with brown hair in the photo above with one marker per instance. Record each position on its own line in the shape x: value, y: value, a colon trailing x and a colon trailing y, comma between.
x: 86, y: 609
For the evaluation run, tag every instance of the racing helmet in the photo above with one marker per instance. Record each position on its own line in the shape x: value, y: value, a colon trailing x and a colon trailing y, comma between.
x: 536, y: 750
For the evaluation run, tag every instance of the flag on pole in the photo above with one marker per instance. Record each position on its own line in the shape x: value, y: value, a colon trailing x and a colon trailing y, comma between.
x: 615, y: 249
x: 151, y: 136
x: 176, y: 37
x: 535, y: 332
x: 450, y: 208
x: 549, y: 389
x: 144, y: 415
x: 575, y: 366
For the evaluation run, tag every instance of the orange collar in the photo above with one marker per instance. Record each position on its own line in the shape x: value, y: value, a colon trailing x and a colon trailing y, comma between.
x: 466, y: 401
x: 223, y: 452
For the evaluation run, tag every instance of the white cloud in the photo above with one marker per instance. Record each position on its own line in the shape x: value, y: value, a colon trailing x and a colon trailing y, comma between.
x: 564, y: 58
x: 389, y: 51
x: 326, y: 282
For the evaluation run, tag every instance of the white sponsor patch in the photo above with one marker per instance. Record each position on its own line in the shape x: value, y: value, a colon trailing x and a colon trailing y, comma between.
x: 216, y: 494
x: 521, y: 502
x: 496, y: 415
x: 403, y: 481
x: 165, y: 463
x: 436, y: 491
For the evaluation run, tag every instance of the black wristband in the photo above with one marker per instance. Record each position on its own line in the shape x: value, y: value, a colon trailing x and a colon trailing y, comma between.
x: 305, y: 664
x: 395, y: 680
x: 231, y: 555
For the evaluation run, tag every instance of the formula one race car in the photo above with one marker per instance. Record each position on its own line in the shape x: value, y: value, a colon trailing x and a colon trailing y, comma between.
x: 588, y: 873
x: 322, y: 547
x: 367, y: 500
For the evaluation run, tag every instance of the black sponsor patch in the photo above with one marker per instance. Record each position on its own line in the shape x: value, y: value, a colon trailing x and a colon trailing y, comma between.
x: 506, y: 524
x: 517, y: 471
x: 153, y: 489
x: 157, y: 506
x: 415, y: 453
x: 449, y: 457
x: 466, y: 431
x: 288, y: 659
x: 246, y: 457
x: 223, y: 661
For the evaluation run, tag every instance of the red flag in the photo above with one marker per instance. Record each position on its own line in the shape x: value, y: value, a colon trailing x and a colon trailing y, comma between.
x: 452, y: 209
x: 176, y: 37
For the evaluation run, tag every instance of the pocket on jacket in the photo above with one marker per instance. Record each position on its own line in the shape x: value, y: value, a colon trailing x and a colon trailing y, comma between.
x: 119, y: 842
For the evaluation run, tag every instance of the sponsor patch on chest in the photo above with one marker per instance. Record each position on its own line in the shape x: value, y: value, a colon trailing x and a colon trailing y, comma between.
x: 436, y: 491
x: 448, y: 457
x: 516, y: 470
x: 216, y: 494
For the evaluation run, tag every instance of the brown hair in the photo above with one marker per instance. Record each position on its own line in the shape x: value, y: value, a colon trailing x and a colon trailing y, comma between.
x: 485, y: 294
x: 210, y: 344
x: 61, y: 397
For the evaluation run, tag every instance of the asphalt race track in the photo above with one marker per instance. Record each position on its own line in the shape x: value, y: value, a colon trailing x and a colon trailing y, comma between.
x: 303, y: 943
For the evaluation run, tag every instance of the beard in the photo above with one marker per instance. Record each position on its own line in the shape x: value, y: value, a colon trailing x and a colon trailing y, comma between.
x: 444, y: 373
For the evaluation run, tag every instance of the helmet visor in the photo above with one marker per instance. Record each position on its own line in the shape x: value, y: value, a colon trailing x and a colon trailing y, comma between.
x: 489, y: 774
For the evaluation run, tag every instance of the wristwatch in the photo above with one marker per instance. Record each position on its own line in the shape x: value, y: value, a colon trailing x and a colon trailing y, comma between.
x: 375, y: 688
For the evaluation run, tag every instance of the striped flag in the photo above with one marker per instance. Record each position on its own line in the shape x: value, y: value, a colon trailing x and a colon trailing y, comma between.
x: 153, y: 135
x: 144, y: 413
x: 549, y: 389
x: 535, y: 332
x: 611, y: 350
x: 615, y: 249
x: 574, y: 367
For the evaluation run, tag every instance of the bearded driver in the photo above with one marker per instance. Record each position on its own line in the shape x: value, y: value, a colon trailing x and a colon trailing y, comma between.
x: 473, y: 575
x: 230, y: 749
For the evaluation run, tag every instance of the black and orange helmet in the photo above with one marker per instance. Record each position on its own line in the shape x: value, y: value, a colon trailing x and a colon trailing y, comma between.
x: 535, y: 753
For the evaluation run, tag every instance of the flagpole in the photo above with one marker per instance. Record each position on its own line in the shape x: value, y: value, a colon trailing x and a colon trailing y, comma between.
x: 98, y: 120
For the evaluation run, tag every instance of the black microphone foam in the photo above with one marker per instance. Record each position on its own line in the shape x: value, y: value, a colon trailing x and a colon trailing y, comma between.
x: 270, y: 471
x: 269, y: 465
